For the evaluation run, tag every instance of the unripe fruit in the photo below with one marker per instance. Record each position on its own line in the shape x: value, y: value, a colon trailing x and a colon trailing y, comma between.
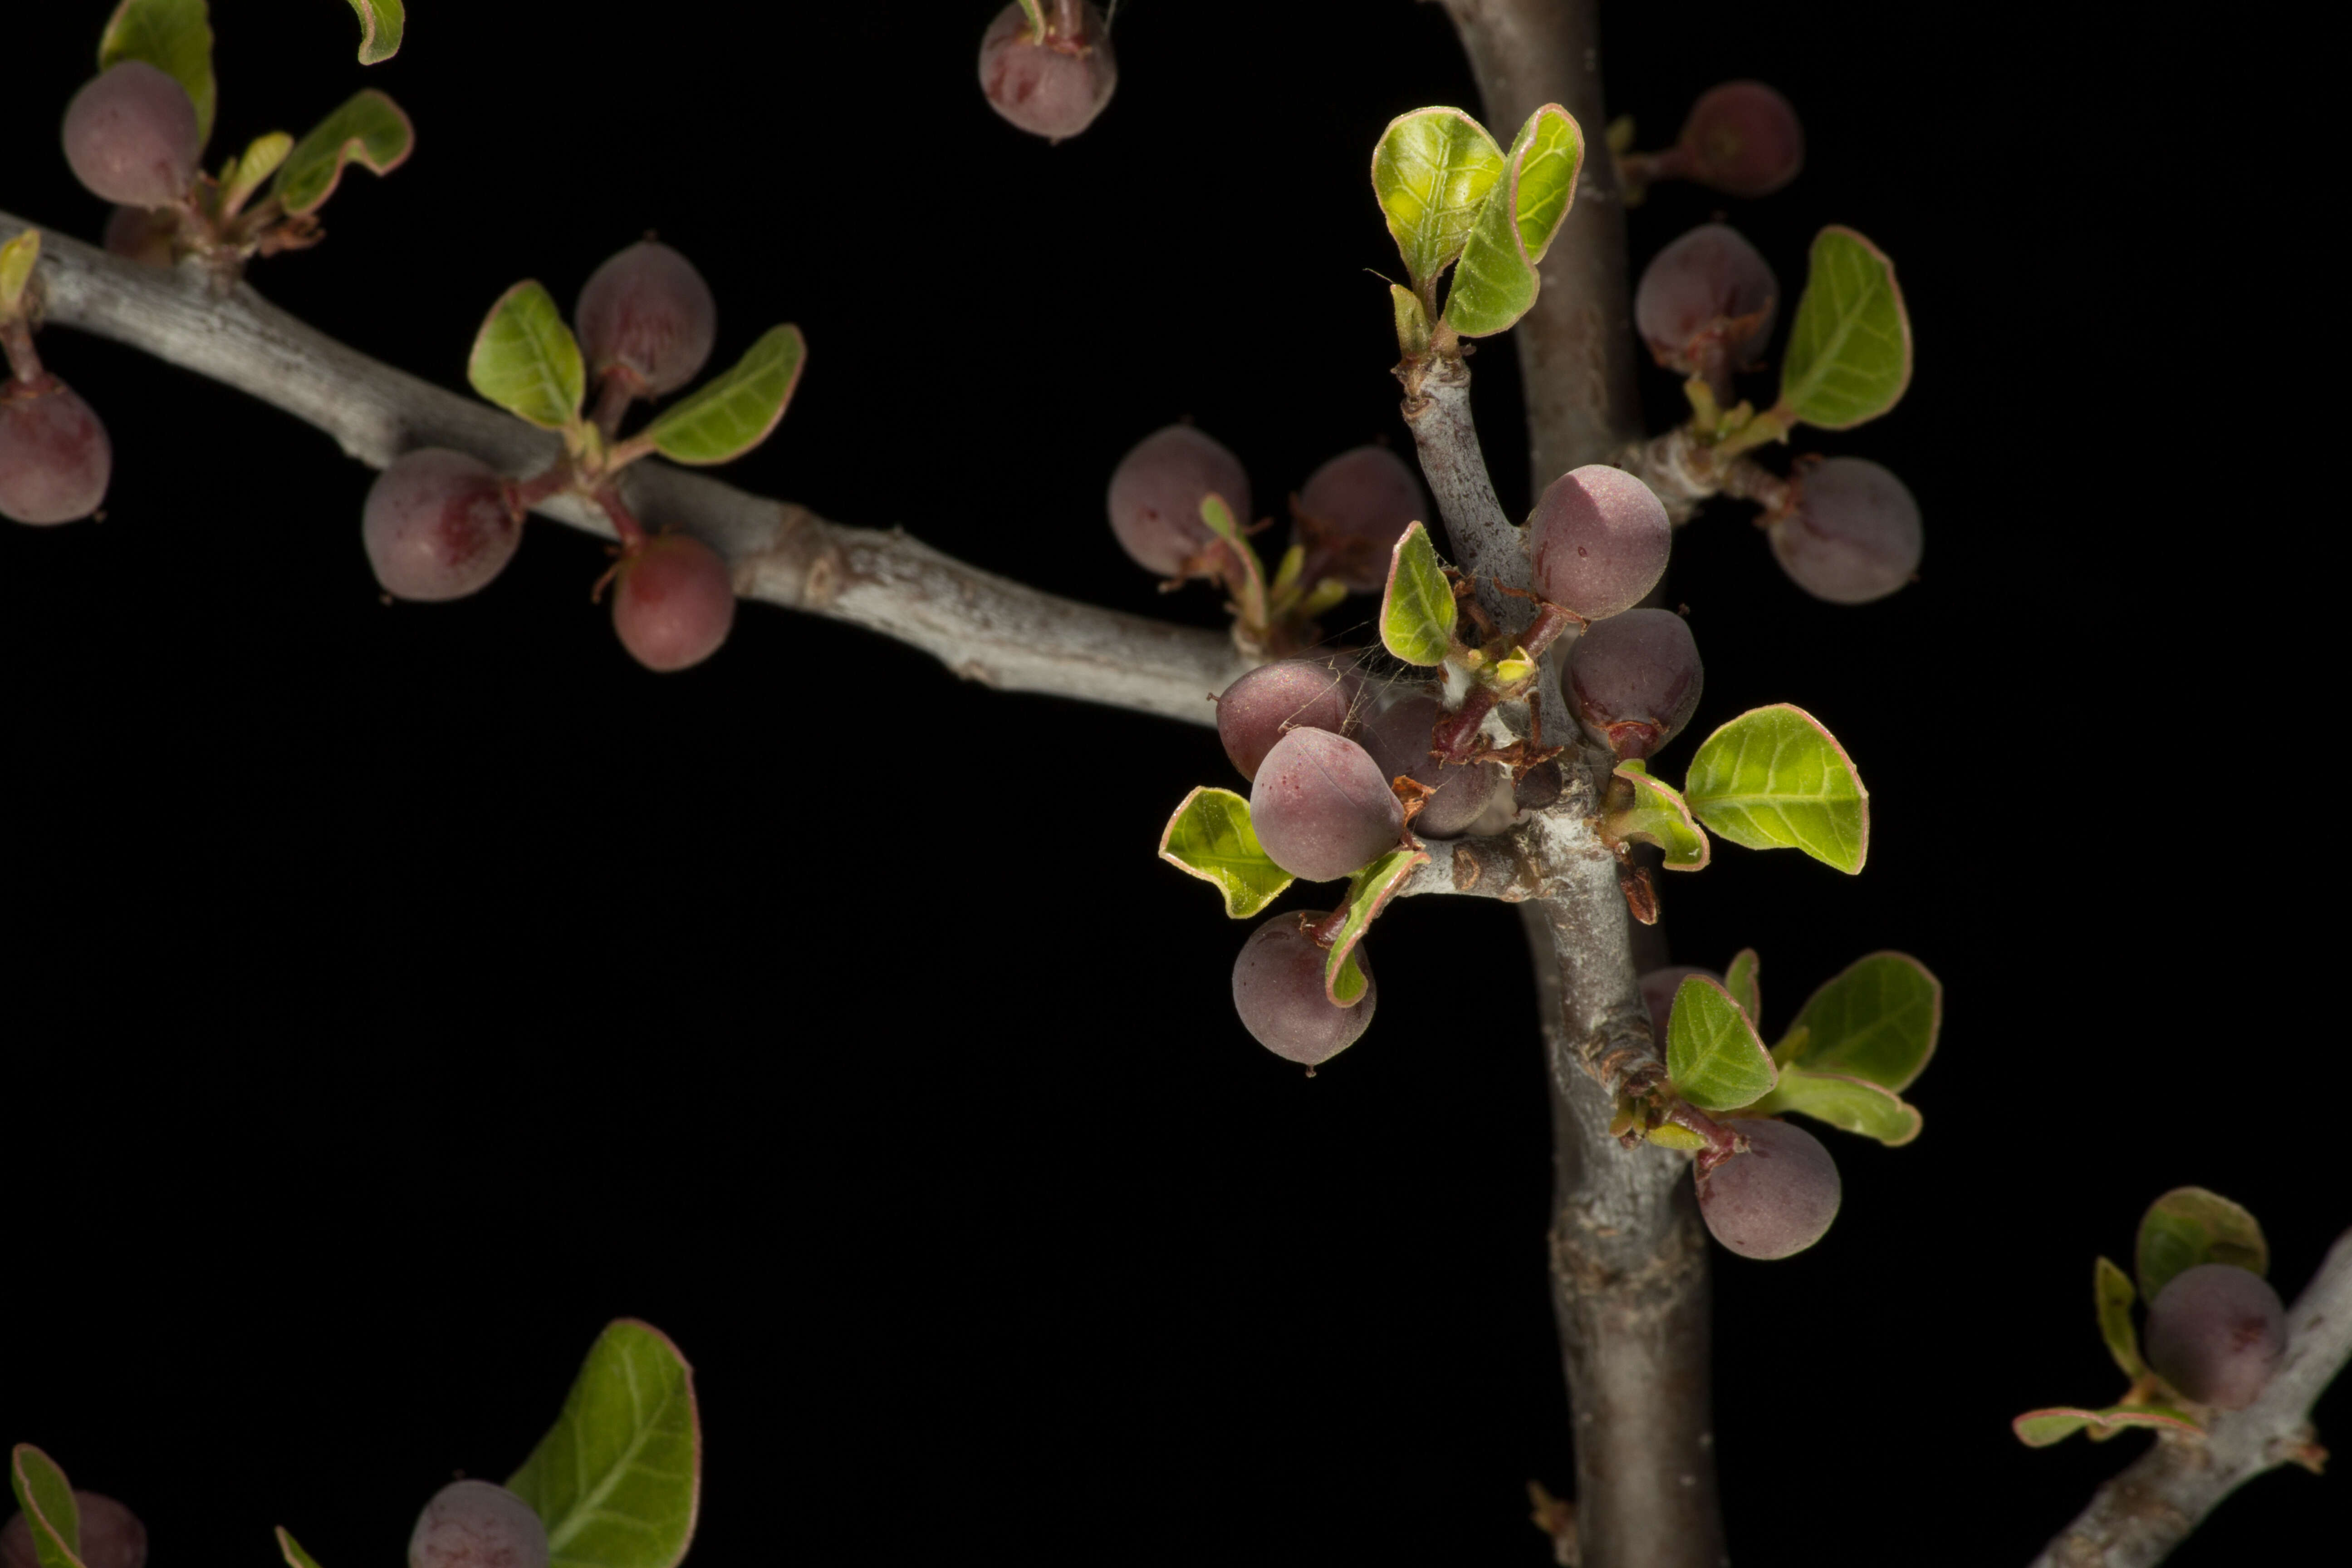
x: 1278, y: 992
x: 1776, y: 1199
x: 1742, y: 139
x: 1706, y: 302
x: 55, y: 458
x: 648, y: 313
x: 477, y: 1524
x: 112, y: 1536
x: 2216, y: 1334
x: 1156, y: 491
x: 1363, y: 500
x: 1600, y: 541
x: 1274, y: 699
x: 131, y: 136
x: 137, y: 234
x: 1635, y: 680
x: 1398, y: 738
x: 438, y: 525
x: 1050, y: 87
x: 673, y: 603
x: 1852, y: 532
x: 1321, y: 808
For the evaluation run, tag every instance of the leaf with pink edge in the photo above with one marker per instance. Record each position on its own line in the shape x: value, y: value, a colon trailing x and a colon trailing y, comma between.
x: 1369, y: 892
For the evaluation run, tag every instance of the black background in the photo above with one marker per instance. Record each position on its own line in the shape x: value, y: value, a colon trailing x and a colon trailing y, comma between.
x: 394, y: 995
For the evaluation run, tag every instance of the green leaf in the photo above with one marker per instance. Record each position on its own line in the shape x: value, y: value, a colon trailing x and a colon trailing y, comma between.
x: 46, y: 1500
x: 1417, y: 608
x: 1849, y: 355
x: 1853, y: 1104
x: 1411, y: 322
x: 1712, y: 1055
x: 257, y: 162
x: 2111, y: 1290
x: 618, y: 1480
x: 729, y: 415
x: 1774, y: 778
x: 175, y: 37
x: 382, y: 22
x: 369, y: 130
x: 1496, y: 282
x: 526, y: 360
x: 1250, y: 593
x: 1658, y: 816
x: 1740, y: 979
x: 19, y: 257
x: 2040, y: 1429
x: 1030, y: 9
x: 291, y: 1550
x: 1209, y: 838
x: 1432, y: 172
x: 1368, y: 892
x: 1878, y: 1019
x: 2190, y: 1225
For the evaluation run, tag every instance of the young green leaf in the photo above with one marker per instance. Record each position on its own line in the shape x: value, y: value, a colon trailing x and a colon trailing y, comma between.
x: 1740, y: 979
x: 2040, y: 1429
x: 1417, y: 608
x: 291, y: 1550
x: 618, y: 1480
x: 729, y: 415
x: 1878, y: 1019
x: 1031, y: 9
x: 382, y: 22
x: 526, y: 360
x: 1495, y: 283
x: 1368, y: 892
x: 1658, y: 816
x: 1713, y: 1054
x: 368, y: 129
x: 2190, y: 1225
x: 1849, y: 355
x: 46, y: 1500
x: 1209, y: 838
x: 1852, y: 1104
x: 2111, y: 1289
x: 1250, y: 593
x: 1411, y: 322
x: 1432, y: 172
x: 175, y: 37
x: 1774, y: 778
x: 260, y: 160
x: 19, y: 257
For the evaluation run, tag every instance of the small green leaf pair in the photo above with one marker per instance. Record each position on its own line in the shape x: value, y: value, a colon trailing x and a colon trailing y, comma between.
x: 1866, y: 1034
x: 1774, y: 778
x: 2186, y: 1228
x: 526, y: 361
x: 1452, y: 196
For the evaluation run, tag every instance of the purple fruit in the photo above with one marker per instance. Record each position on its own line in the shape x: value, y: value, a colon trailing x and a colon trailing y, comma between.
x: 1052, y: 86
x: 1635, y: 680
x: 1360, y: 503
x: 647, y: 314
x: 477, y: 1524
x: 1851, y: 533
x: 1278, y: 992
x: 1706, y: 303
x: 1776, y: 1199
x: 1274, y: 698
x: 673, y: 603
x: 439, y: 525
x: 112, y: 1536
x: 1600, y: 539
x: 131, y: 136
x: 2216, y: 1334
x: 1398, y: 738
x: 1742, y: 139
x: 55, y: 458
x: 1321, y: 808
x: 1156, y: 492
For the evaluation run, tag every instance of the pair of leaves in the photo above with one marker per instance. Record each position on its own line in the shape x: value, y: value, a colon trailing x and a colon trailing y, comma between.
x: 1453, y: 198
x: 526, y: 360
x: 1774, y: 778
x: 1209, y: 837
x: 1849, y: 354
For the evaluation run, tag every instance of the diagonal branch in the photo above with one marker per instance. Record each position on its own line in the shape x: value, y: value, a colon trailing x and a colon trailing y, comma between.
x: 980, y: 626
x: 2137, y: 1518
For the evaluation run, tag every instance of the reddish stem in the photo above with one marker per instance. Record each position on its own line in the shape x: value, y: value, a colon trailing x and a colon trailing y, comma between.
x: 624, y: 522
x: 16, y: 343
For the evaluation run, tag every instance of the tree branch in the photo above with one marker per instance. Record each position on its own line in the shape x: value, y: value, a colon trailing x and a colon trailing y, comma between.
x: 1486, y: 545
x: 980, y: 626
x: 2137, y: 1517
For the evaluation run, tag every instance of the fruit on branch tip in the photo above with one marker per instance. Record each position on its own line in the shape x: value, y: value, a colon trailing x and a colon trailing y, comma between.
x: 439, y: 525
x: 1278, y: 992
x: 141, y: 235
x: 1776, y: 1199
x: 1850, y: 532
x: 1658, y: 988
x: 1706, y: 303
x: 1400, y: 737
x: 673, y: 602
x: 647, y: 312
x: 112, y: 1536
x: 1321, y: 807
x: 1742, y: 139
x: 477, y: 1524
x: 2216, y: 1334
x: 1635, y: 680
x: 1052, y: 86
x: 55, y: 458
x: 1599, y: 539
x: 131, y: 136
x: 1156, y: 492
x: 1356, y: 507
x: 1260, y: 708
